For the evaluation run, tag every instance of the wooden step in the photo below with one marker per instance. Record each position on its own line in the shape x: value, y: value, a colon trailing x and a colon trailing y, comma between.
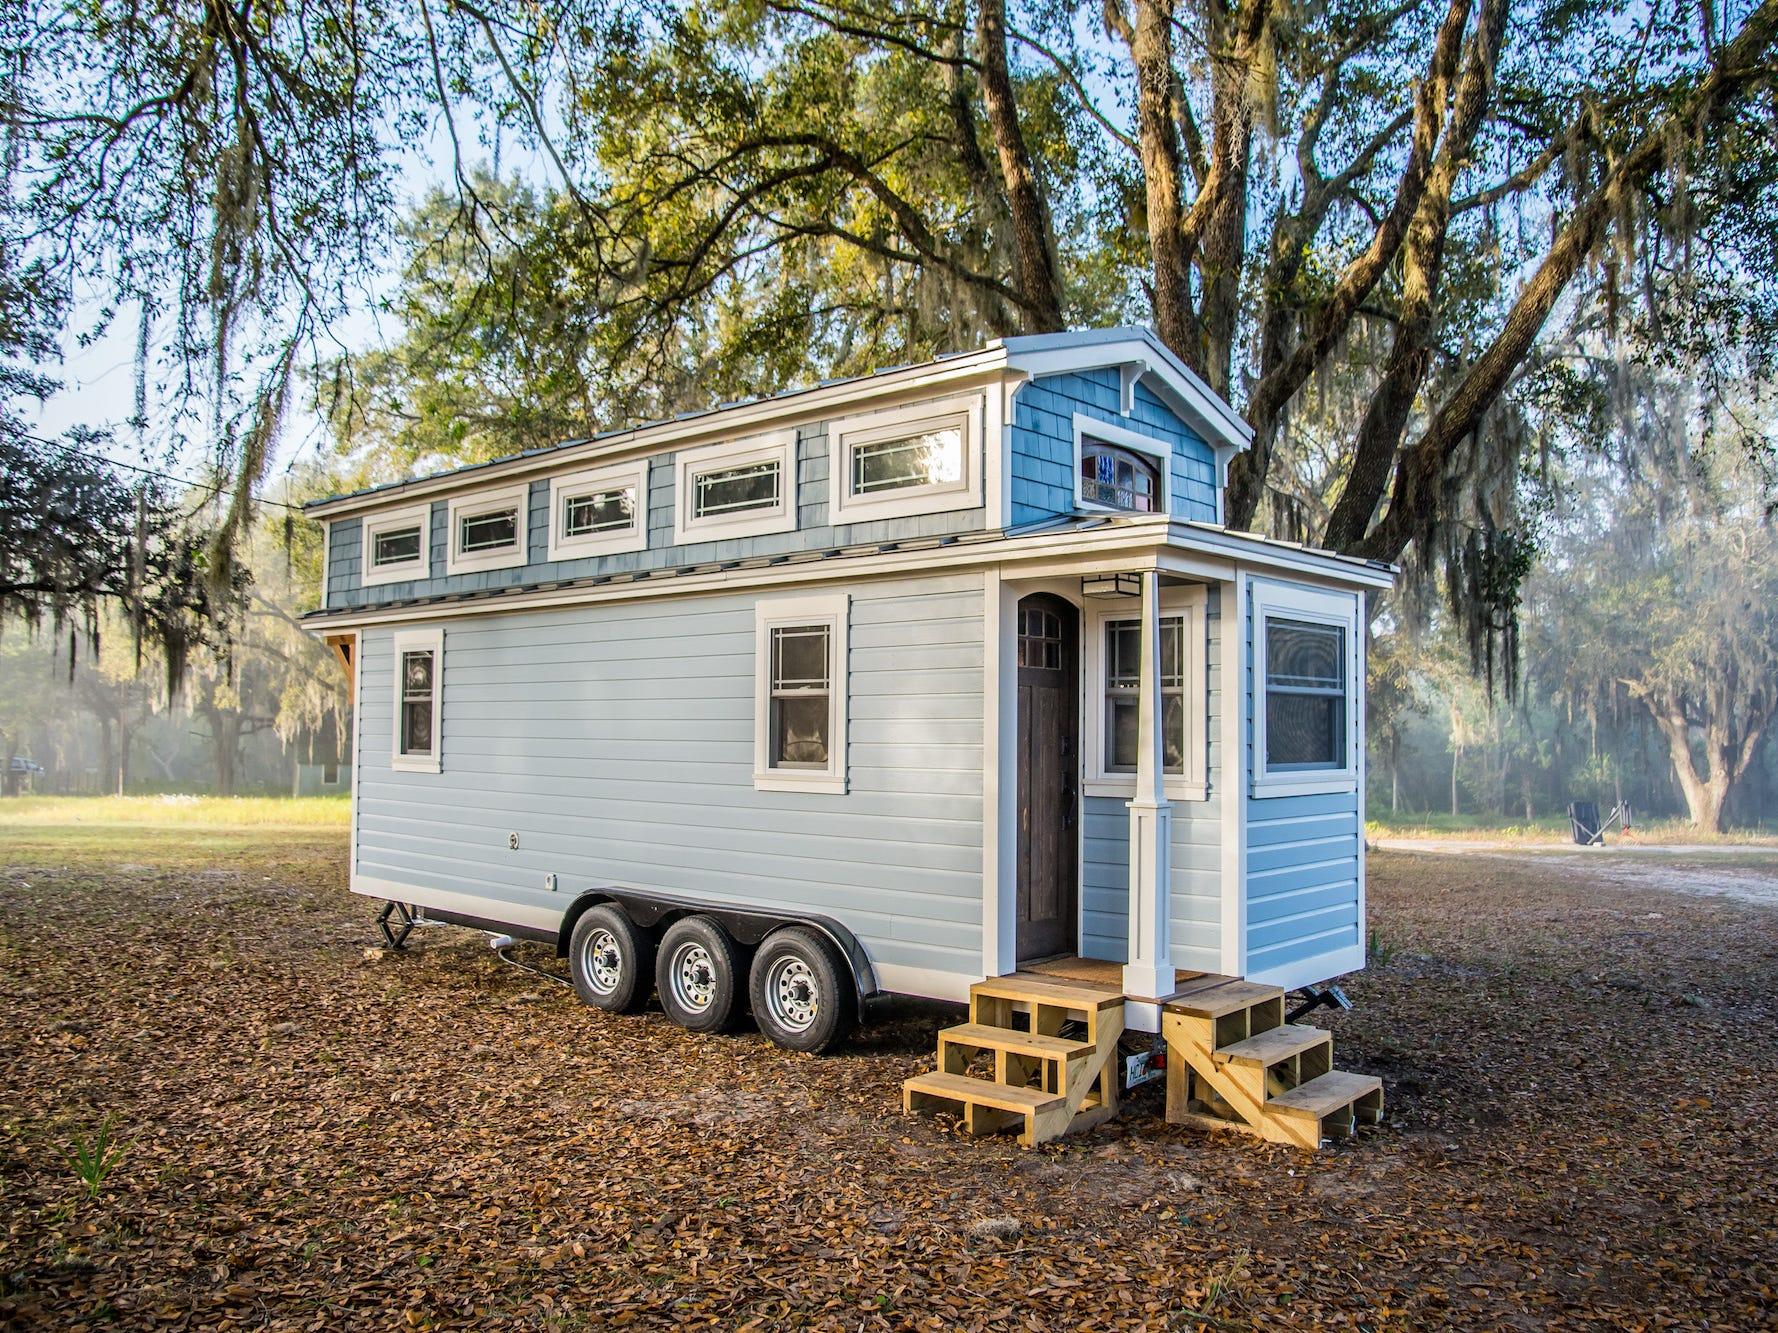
x: 1027, y: 989
x: 984, y: 1037
x: 1274, y: 1046
x: 1323, y: 1096
x: 1228, y: 998
x: 980, y: 1092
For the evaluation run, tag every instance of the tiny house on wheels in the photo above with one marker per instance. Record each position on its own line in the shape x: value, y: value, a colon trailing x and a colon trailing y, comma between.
x: 945, y: 681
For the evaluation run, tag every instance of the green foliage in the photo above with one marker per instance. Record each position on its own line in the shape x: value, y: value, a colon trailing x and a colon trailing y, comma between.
x: 95, y: 1155
x: 76, y: 540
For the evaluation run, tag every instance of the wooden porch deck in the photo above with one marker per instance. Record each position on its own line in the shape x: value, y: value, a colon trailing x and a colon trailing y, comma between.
x: 1102, y: 974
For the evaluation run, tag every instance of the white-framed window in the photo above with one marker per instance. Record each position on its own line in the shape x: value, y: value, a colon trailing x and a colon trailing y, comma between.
x: 1113, y: 665
x: 800, y: 685
x: 599, y: 512
x: 397, y: 546
x: 1305, y: 690
x: 1118, y: 471
x: 920, y: 459
x: 741, y: 488
x: 419, y: 700
x: 487, y: 530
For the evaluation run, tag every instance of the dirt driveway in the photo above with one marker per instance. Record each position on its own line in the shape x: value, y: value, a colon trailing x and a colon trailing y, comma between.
x: 1581, y: 1131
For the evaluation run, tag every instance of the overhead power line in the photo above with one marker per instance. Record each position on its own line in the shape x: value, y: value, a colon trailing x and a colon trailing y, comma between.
x: 207, y: 487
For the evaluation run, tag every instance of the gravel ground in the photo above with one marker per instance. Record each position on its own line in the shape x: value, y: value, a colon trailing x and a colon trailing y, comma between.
x: 311, y: 1133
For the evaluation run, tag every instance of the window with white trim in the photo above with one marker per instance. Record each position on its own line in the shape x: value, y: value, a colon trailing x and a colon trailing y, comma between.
x: 1114, y: 664
x: 1305, y: 689
x: 599, y: 512
x: 740, y: 489
x: 800, y: 680
x: 1120, y: 470
x: 419, y: 672
x: 920, y: 459
x: 396, y: 546
x: 487, y: 530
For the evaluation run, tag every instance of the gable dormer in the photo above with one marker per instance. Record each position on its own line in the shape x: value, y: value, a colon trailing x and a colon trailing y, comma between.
x: 1111, y: 421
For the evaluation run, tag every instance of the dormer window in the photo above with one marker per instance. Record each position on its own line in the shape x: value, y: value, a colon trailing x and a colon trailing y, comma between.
x: 1113, y: 477
x: 1119, y: 470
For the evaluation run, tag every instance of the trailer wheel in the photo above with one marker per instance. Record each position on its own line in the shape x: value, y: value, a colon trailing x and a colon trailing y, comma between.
x: 802, y: 991
x: 697, y: 974
x: 611, y: 958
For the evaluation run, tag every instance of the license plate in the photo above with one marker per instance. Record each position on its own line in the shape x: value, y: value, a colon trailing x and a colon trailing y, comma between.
x: 1144, y: 1067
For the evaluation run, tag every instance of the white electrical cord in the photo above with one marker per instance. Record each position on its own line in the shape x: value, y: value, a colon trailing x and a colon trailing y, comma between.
x: 501, y: 943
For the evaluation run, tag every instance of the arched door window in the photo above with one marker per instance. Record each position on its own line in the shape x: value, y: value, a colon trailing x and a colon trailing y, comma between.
x: 1113, y: 477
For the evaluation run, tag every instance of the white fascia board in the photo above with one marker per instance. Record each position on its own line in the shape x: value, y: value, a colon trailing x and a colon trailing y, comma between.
x: 787, y: 411
x: 1174, y: 382
x: 1256, y: 550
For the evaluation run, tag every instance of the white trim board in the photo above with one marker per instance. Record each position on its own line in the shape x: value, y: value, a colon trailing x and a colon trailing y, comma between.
x: 1125, y: 543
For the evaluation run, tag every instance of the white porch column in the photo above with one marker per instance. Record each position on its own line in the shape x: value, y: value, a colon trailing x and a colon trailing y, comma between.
x: 1149, y: 972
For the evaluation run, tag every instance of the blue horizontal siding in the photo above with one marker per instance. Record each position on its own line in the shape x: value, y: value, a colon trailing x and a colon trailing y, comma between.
x: 1303, y: 864
x: 617, y: 741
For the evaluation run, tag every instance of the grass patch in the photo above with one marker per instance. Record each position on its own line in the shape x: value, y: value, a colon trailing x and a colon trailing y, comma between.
x: 184, y: 812
x: 1555, y: 829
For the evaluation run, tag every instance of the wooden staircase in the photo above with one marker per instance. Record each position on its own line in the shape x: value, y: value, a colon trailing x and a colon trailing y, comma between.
x: 1233, y: 1062
x: 1052, y: 1047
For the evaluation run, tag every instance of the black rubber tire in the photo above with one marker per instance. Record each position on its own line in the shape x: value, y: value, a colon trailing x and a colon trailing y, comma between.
x: 715, y: 972
x: 796, y: 956
x: 608, y: 927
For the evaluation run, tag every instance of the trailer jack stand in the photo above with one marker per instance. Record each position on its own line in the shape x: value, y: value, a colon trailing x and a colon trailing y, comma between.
x: 1318, y: 997
x: 395, y: 936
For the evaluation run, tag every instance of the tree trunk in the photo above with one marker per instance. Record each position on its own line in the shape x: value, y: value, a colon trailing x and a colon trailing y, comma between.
x: 1034, y: 249
x: 1151, y: 51
x: 1456, y: 755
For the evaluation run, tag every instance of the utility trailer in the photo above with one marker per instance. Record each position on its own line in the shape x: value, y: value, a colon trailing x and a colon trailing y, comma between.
x: 945, y: 681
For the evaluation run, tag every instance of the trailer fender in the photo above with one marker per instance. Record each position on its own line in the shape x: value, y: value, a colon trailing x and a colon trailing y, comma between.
x: 749, y: 925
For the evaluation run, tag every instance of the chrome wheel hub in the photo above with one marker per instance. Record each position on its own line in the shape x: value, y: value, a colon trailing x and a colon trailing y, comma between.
x: 693, y: 976
x: 603, y: 961
x: 793, y: 994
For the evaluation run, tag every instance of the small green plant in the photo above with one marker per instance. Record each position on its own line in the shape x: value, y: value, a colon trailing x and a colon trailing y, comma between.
x: 1379, y: 952
x: 95, y: 1156
x: 1226, y: 1280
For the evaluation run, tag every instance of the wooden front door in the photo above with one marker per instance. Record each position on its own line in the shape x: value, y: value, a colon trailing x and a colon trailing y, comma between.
x: 1049, y: 712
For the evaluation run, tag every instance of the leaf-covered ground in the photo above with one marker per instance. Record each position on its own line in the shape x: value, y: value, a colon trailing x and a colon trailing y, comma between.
x: 1582, y: 1076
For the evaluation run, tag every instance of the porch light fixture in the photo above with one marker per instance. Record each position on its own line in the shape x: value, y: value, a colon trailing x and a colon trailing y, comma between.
x: 1112, y: 585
